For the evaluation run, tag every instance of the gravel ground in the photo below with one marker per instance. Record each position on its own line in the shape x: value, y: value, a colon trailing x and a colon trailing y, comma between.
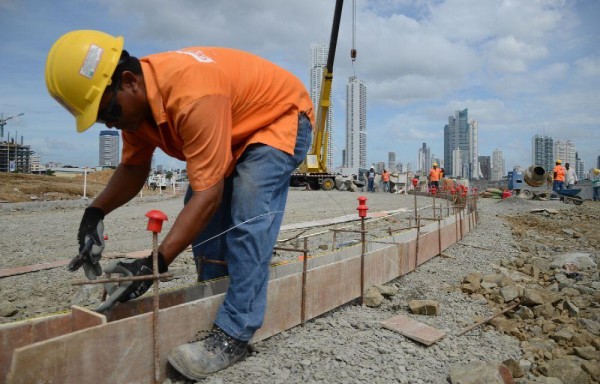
x: 347, y: 345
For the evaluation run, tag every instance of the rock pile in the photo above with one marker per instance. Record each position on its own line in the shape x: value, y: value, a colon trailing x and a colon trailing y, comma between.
x: 558, y: 319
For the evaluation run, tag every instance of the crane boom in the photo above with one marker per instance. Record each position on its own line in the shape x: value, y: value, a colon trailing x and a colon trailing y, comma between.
x: 313, y: 171
x: 3, y: 121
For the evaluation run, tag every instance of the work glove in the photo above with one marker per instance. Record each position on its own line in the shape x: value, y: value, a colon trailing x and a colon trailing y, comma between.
x: 137, y: 267
x: 92, y: 228
x: 91, y: 243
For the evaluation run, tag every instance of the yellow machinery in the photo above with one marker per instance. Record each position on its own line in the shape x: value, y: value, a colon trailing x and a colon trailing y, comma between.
x: 313, y: 171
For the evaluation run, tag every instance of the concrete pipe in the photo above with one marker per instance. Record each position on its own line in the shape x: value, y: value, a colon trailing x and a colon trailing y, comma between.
x: 535, y: 176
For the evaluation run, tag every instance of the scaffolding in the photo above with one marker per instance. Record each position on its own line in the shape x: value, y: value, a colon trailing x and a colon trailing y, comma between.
x: 15, y: 157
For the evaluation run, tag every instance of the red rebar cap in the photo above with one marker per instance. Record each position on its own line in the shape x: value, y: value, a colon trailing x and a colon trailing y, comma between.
x: 415, y: 181
x: 433, y: 190
x: 362, y: 207
x: 155, y: 220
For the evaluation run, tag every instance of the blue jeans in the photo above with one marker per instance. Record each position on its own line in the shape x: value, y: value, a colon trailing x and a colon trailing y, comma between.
x: 371, y: 185
x: 558, y: 185
x: 596, y: 193
x: 252, y: 210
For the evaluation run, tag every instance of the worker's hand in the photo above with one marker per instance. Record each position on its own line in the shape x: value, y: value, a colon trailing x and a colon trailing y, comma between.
x: 92, y: 228
x: 138, y: 267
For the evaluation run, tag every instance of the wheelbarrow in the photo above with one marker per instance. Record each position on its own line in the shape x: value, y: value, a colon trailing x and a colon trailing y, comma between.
x: 570, y: 195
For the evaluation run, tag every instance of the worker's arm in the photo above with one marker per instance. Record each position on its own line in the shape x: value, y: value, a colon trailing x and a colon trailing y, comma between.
x: 123, y: 186
x: 192, y: 219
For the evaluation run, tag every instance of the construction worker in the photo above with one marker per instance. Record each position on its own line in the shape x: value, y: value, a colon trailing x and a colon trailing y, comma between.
x: 571, y: 176
x: 596, y: 185
x: 385, y: 178
x: 559, y: 176
x: 371, y: 180
x: 241, y: 124
x: 435, y: 174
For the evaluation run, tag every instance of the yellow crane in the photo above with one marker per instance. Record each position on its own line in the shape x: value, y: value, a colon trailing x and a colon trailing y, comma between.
x: 313, y: 171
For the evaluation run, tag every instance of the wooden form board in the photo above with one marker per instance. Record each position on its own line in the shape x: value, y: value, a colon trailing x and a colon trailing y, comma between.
x: 91, y: 350
x: 413, y: 329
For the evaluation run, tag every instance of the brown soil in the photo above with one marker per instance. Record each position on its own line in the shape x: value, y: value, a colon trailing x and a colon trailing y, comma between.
x: 17, y: 187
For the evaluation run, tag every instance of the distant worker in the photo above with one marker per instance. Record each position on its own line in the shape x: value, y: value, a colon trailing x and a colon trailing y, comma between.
x: 435, y: 174
x: 242, y: 125
x: 559, y: 176
x: 371, y: 180
x: 571, y: 176
x: 596, y: 185
x: 385, y: 178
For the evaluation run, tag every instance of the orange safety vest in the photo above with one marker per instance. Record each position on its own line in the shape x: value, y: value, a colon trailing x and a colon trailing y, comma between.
x: 385, y: 176
x: 434, y: 174
x: 559, y: 170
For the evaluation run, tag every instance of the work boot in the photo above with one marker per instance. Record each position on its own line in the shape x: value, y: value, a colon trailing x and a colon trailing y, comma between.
x: 199, y: 359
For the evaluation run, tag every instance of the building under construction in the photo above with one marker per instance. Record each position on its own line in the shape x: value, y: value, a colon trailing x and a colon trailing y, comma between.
x: 15, y: 157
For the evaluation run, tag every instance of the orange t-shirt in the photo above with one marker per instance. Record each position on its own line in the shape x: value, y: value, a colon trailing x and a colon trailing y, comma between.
x: 434, y: 174
x: 209, y: 104
x: 560, y: 173
x: 385, y: 176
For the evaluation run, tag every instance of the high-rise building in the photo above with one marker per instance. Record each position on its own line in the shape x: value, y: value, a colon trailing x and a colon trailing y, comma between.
x: 109, y: 149
x: 424, y: 159
x: 457, y: 136
x: 498, y: 170
x: 579, y: 167
x: 392, y: 161
x: 474, y: 168
x: 356, y: 123
x: 542, y: 149
x: 457, y: 164
x: 318, y: 61
x: 486, y: 167
x: 566, y: 151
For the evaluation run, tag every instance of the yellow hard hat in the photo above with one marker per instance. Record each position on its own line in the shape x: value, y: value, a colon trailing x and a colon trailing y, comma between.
x: 434, y: 164
x: 78, y: 69
x: 596, y: 171
x: 558, y: 161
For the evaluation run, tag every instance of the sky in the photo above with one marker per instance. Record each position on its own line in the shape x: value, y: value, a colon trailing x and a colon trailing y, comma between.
x: 521, y: 67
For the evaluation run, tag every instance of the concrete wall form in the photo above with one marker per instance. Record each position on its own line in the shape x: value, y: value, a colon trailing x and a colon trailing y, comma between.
x: 68, y: 348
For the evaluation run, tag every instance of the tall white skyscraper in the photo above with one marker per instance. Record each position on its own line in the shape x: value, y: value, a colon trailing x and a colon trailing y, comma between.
x: 424, y: 159
x: 498, y: 171
x: 392, y: 161
x: 109, y: 148
x: 318, y: 60
x: 542, y: 149
x: 356, y: 123
x: 474, y: 168
x: 566, y: 151
x: 461, y: 134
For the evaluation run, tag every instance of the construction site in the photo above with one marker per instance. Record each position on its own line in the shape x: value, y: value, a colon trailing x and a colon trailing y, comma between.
x: 433, y: 283
x: 422, y: 288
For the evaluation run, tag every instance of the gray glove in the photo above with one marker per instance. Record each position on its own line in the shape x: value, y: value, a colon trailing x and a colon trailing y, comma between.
x: 91, y: 243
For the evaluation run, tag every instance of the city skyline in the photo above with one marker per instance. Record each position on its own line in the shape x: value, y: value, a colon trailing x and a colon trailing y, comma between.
x: 522, y: 68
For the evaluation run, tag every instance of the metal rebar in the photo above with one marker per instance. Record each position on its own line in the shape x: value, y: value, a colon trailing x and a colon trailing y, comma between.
x: 362, y: 259
x: 123, y: 279
x: 304, y: 272
x: 156, y: 307
x: 417, y: 244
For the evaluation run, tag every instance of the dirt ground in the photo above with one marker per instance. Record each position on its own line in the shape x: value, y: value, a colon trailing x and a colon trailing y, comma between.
x: 18, y: 187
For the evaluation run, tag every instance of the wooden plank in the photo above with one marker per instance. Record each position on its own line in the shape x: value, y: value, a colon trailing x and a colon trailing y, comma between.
x: 413, y: 329
x: 382, y: 265
x: 6, y: 272
x: 23, y: 333
x: 428, y: 246
x: 332, y: 285
x: 106, y: 353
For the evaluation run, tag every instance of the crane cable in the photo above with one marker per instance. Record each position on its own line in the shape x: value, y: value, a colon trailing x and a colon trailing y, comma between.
x: 353, y: 50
